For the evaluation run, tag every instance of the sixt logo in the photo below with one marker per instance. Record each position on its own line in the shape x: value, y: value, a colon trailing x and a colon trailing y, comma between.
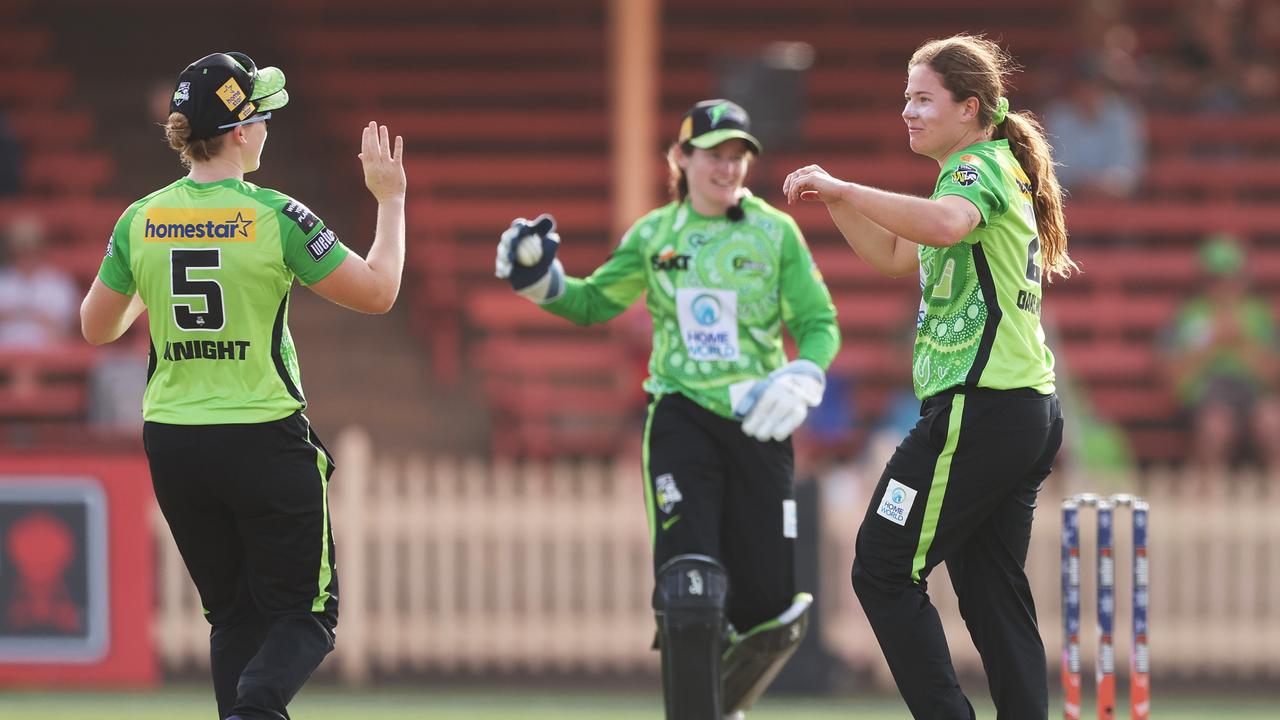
x: 667, y: 259
x: 187, y: 224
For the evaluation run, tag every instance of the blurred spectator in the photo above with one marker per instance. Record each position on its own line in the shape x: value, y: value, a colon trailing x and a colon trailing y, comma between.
x: 1220, y: 355
x: 38, y: 301
x: 1098, y: 134
x: 1216, y: 66
x: 10, y: 160
x: 1103, y: 35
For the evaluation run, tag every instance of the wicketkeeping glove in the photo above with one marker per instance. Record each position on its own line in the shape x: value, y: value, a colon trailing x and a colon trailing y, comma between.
x: 527, y: 258
x: 777, y: 405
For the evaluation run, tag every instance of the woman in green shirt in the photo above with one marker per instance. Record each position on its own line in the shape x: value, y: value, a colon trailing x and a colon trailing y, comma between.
x: 239, y: 474
x: 721, y: 272
x: 961, y: 487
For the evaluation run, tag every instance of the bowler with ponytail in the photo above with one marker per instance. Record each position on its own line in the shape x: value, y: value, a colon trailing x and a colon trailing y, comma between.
x: 961, y: 488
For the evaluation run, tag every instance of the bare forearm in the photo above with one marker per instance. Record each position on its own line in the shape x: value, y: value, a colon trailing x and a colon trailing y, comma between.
x: 880, y: 248
x: 105, y: 315
x: 919, y: 220
x: 386, y: 256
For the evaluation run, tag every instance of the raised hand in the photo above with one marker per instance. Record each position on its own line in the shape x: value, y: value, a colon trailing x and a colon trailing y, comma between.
x: 383, y: 164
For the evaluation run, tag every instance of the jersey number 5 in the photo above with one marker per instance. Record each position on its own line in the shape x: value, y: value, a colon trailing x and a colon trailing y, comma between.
x: 181, y: 261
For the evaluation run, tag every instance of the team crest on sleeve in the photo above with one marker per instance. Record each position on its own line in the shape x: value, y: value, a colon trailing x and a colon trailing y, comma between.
x: 301, y: 215
x: 321, y: 244
x: 666, y: 493
x: 111, y: 244
x: 965, y: 175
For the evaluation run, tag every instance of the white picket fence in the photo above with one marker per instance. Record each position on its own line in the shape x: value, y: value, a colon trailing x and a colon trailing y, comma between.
x: 473, y: 566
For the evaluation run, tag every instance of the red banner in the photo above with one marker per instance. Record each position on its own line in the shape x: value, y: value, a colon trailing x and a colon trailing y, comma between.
x: 77, y: 571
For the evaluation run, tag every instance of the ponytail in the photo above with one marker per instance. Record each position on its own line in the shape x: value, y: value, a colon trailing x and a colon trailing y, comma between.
x: 1027, y: 141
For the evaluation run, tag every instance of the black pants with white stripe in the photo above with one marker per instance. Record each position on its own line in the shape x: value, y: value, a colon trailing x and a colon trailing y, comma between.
x: 961, y: 489
x: 248, y: 509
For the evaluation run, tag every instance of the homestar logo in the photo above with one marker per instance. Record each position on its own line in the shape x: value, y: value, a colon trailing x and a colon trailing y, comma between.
x: 202, y: 224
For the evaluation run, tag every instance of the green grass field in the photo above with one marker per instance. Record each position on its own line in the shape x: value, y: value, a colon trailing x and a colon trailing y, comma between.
x: 498, y: 704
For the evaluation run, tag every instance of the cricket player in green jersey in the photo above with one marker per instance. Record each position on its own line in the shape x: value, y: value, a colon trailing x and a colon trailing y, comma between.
x: 239, y: 474
x: 961, y: 488
x: 721, y: 272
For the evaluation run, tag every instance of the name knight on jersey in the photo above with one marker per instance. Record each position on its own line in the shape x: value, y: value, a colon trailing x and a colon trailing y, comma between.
x: 206, y: 350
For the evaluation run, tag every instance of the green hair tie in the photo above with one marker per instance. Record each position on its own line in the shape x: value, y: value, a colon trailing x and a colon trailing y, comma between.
x: 1002, y: 109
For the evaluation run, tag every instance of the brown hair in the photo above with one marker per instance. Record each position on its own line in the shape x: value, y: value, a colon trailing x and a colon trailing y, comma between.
x: 177, y: 132
x: 677, y: 183
x: 973, y: 66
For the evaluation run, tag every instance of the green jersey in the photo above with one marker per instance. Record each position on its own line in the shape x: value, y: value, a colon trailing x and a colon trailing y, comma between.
x: 214, y: 262
x: 979, y: 319
x: 719, y: 292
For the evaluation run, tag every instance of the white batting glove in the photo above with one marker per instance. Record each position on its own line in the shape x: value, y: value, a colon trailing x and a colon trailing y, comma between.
x: 777, y: 405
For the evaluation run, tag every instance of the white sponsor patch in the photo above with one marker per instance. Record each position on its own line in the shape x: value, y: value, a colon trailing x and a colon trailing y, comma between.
x: 708, y: 322
x: 896, y: 503
x: 788, y: 518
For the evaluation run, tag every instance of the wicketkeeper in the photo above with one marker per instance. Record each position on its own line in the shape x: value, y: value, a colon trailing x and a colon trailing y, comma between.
x: 722, y: 272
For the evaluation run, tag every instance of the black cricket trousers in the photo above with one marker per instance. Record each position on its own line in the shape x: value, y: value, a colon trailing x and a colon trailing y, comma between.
x: 248, y: 509
x: 712, y: 490
x: 961, y: 489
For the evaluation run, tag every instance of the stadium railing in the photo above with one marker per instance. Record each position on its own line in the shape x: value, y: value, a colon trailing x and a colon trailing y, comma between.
x: 478, y: 567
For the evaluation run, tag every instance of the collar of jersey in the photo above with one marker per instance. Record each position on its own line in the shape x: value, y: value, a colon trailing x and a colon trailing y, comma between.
x: 225, y: 182
x: 688, y: 204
